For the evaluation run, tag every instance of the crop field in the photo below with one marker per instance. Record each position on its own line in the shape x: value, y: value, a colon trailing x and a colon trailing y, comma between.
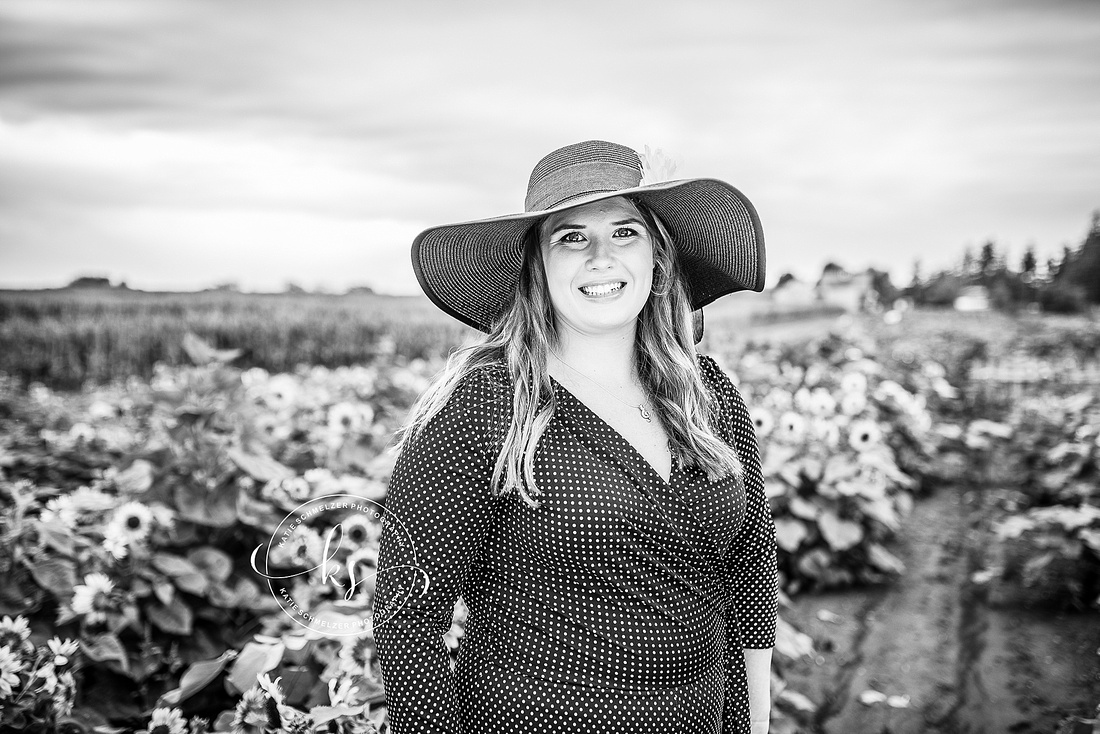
x: 935, y: 483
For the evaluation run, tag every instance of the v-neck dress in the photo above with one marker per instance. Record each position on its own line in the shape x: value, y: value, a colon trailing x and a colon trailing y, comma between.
x: 620, y: 604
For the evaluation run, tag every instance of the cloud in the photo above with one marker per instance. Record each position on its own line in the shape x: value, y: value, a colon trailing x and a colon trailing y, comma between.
x: 865, y: 131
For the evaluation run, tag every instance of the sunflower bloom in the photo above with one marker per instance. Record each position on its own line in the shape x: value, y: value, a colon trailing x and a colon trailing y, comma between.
x: 792, y: 427
x: 762, y: 420
x: 358, y: 530
x: 864, y: 435
x: 62, y: 651
x: 167, y: 721
x: 10, y: 668
x: 92, y: 598
x: 132, y: 521
x: 250, y: 716
x: 14, y: 631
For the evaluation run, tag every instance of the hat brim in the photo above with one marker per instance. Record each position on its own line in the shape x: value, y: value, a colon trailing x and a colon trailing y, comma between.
x: 470, y: 269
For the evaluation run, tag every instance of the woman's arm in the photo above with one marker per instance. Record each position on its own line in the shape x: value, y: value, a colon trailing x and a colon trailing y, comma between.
x: 438, y: 512
x: 758, y: 667
x: 753, y: 564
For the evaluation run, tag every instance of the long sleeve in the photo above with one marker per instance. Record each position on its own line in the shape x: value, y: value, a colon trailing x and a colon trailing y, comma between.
x: 752, y: 569
x: 438, y: 513
x: 753, y: 562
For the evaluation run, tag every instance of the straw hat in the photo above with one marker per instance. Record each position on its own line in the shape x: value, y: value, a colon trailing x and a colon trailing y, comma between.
x: 470, y: 269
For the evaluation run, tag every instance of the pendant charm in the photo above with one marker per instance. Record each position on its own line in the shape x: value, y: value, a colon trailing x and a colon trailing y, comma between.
x: 645, y: 413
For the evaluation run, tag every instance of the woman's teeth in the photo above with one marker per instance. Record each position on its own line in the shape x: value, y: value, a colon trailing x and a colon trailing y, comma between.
x: 602, y: 289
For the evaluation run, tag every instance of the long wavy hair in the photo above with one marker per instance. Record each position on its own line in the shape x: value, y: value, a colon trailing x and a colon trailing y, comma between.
x: 664, y: 357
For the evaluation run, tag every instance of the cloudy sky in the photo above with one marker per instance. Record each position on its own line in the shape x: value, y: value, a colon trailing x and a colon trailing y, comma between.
x: 180, y: 144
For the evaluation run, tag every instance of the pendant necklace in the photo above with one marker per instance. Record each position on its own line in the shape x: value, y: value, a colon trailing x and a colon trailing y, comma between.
x: 640, y: 407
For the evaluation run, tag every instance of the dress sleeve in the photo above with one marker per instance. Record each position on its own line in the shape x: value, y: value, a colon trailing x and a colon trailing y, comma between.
x: 438, y: 512
x: 753, y: 565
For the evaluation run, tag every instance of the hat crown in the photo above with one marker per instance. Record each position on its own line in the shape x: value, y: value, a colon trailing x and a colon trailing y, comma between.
x: 579, y: 170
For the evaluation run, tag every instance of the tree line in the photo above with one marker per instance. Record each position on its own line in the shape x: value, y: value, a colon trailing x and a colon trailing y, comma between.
x: 1068, y: 283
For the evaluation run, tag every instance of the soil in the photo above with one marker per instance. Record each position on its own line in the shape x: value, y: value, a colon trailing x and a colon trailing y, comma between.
x: 971, y: 657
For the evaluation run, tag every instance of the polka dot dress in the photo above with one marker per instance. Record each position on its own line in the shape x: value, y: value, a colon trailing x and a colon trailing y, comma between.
x: 621, y: 604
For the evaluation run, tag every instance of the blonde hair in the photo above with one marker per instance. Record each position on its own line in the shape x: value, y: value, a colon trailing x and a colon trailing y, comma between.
x: 664, y: 356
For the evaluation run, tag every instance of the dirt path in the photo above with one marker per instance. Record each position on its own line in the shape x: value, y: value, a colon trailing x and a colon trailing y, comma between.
x: 967, y: 665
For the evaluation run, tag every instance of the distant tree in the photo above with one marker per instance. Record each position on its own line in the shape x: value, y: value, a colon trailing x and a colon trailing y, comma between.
x: 90, y: 281
x: 967, y: 270
x: 1082, y: 268
x: 784, y: 279
x: 885, y: 290
x: 987, y: 260
x: 1028, y: 263
x: 832, y: 272
x: 294, y: 288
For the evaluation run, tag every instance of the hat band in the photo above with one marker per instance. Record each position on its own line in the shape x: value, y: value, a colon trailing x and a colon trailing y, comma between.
x: 580, y: 179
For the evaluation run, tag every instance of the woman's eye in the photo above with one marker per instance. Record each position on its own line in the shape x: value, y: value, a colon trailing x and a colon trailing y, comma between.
x: 572, y: 237
x: 625, y: 232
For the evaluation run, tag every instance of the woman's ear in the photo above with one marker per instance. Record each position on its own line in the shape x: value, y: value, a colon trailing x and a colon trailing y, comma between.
x: 697, y: 324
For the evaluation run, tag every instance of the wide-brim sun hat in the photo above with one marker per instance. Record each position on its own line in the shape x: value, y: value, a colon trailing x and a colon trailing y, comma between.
x: 470, y: 269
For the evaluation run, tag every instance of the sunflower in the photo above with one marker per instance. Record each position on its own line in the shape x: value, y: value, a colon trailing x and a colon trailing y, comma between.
x: 302, y: 549
x: 853, y: 382
x: 14, y: 632
x: 853, y: 403
x: 91, y: 598
x: 779, y: 399
x: 762, y: 421
x: 62, y: 651
x: 822, y: 403
x: 344, y: 418
x: 167, y: 721
x: 251, y: 715
x: 64, y: 694
x: 341, y: 692
x: 792, y: 427
x: 59, y: 510
x: 864, y: 435
x: 358, y: 529
x: 115, y: 542
x: 297, y: 489
x: 282, y: 392
x: 132, y: 522
x: 10, y: 668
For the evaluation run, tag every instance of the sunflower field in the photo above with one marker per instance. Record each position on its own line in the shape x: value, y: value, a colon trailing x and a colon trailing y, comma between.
x: 131, y: 513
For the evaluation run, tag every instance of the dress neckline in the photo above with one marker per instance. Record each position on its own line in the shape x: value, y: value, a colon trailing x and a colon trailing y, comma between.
x: 620, y: 438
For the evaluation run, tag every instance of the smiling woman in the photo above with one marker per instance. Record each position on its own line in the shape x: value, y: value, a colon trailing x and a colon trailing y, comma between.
x: 582, y: 478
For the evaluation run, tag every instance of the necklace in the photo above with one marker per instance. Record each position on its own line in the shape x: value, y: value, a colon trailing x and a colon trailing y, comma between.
x: 640, y: 407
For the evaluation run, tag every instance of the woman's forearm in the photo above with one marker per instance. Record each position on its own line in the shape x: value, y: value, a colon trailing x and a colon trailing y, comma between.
x: 758, y: 665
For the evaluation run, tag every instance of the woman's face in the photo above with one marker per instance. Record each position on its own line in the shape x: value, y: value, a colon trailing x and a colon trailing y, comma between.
x: 599, y: 266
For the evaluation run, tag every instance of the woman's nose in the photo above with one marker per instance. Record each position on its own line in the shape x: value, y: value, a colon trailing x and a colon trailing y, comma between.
x: 599, y: 254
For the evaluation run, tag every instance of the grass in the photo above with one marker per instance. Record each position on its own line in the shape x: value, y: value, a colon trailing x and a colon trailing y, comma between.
x: 67, y: 337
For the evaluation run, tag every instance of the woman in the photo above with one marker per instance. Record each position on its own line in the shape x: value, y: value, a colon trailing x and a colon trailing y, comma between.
x: 587, y: 483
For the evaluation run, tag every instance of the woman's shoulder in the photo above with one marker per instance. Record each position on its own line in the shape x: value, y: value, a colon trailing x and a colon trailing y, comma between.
x: 714, y: 376
x: 486, y: 385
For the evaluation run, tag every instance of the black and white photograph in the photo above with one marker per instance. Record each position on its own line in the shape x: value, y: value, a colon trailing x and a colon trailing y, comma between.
x: 606, y: 367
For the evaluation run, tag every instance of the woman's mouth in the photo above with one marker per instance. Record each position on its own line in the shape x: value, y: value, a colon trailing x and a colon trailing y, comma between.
x: 599, y: 290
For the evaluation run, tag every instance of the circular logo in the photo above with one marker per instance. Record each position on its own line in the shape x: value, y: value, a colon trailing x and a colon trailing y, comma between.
x: 322, y: 567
